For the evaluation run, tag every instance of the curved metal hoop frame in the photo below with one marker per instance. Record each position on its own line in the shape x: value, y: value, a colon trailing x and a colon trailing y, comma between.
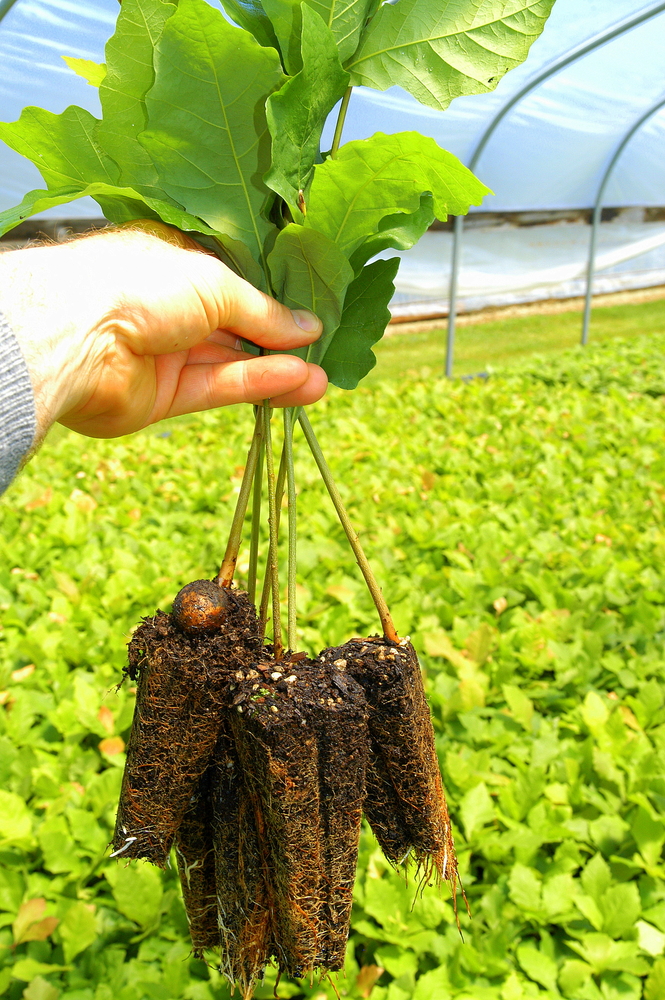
x: 577, y: 53
x: 598, y: 211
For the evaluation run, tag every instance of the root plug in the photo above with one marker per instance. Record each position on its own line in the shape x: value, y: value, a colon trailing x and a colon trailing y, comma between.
x: 183, y: 663
x: 405, y: 803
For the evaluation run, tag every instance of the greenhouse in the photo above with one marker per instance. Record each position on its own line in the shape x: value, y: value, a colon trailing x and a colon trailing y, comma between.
x: 332, y: 628
x: 542, y: 141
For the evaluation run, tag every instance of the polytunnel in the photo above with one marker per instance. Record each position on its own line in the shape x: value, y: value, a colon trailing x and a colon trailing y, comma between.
x: 589, y: 97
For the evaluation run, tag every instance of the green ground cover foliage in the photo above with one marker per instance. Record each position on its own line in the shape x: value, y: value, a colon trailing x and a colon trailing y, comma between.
x: 510, y: 339
x: 517, y: 526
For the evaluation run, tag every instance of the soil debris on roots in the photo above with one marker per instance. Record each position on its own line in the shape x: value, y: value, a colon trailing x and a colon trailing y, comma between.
x: 258, y: 772
x: 243, y: 899
x: 301, y: 737
x: 405, y: 802
x: 182, y: 684
x: 195, y: 856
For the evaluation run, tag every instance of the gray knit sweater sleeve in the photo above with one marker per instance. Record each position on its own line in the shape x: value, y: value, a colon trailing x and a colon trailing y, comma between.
x: 18, y: 422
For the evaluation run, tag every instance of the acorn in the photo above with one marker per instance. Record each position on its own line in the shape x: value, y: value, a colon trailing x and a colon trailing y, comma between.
x: 201, y: 608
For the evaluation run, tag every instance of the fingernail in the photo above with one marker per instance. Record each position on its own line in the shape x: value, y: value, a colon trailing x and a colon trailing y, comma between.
x: 238, y: 344
x: 306, y: 320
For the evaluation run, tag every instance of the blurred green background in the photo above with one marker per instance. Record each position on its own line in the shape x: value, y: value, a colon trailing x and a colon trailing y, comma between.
x: 516, y: 525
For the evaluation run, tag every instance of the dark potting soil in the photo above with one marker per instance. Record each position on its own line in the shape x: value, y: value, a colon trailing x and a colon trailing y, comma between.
x: 195, y: 856
x: 243, y: 892
x: 405, y: 803
x: 300, y: 730
x: 182, y: 681
x: 259, y: 771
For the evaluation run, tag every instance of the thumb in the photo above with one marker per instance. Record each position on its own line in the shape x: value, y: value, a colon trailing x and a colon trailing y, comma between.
x: 232, y: 304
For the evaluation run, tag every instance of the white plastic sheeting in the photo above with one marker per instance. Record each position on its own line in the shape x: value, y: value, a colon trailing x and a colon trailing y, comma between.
x: 551, y: 149
x: 507, y: 265
x: 548, y: 153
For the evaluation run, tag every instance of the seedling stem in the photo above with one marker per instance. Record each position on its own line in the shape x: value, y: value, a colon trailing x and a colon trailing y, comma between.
x: 291, y: 491
x: 273, y: 566
x: 227, y: 569
x: 265, y: 593
x: 256, y: 526
x: 354, y: 541
x: 341, y: 118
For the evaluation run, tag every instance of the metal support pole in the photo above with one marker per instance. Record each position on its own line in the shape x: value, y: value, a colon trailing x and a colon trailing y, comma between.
x: 5, y: 7
x: 577, y: 53
x: 458, y: 229
x: 598, y: 211
x: 595, y: 222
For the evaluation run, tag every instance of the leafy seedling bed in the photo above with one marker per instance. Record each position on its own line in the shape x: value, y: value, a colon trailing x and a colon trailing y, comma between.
x: 255, y: 762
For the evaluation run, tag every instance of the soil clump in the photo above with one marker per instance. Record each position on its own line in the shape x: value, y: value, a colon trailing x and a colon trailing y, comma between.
x: 405, y: 803
x: 301, y: 736
x: 259, y: 770
x: 182, y: 683
x: 195, y: 856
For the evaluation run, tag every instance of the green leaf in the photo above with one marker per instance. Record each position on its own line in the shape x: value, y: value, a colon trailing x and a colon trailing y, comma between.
x: 538, y: 966
x: 77, y: 930
x: 119, y: 204
x: 251, y: 16
x: 649, y: 938
x: 15, y: 820
x: 596, y: 878
x: 520, y: 706
x: 364, y: 320
x: 649, y: 834
x: 125, y: 205
x: 62, y: 147
x: 595, y: 713
x: 573, y: 976
x: 621, y: 906
x: 28, y: 968
x: 396, y: 232
x: 91, y: 71
x: 297, y: 113
x: 286, y: 19
x: 57, y: 846
x: 207, y: 134
x: 441, y: 51
x: 33, y: 203
x: 372, y: 179
x: 130, y: 74
x: 41, y: 989
x: 137, y: 890
x: 12, y: 887
x: 310, y: 272
x: 558, y: 893
x: 397, y: 961
x: 476, y: 809
x: 433, y: 985
x: 344, y: 18
x: 602, y: 953
x: 655, y: 985
x: 525, y: 888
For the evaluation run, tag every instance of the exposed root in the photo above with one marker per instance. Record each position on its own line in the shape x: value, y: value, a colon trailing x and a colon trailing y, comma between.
x: 260, y: 770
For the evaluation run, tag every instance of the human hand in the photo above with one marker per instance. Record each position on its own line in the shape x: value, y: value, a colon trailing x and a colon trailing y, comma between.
x: 120, y: 330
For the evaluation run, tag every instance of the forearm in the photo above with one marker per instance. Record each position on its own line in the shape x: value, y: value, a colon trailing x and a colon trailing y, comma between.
x: 18, y: 423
